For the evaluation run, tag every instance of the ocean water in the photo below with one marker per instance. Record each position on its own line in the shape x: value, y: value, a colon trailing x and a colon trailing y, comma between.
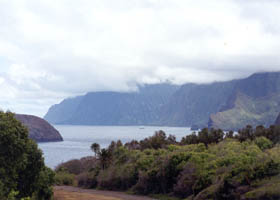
x: 78, y: 139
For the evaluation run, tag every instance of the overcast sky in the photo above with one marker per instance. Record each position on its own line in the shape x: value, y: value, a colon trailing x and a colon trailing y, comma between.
x: 53, y: 49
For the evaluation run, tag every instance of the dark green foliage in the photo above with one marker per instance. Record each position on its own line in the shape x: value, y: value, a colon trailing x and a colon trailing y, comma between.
x: 157, y: 141
x: 85, y: 169
x: 95, y: 148
x: 205, y: 136
x: 87, y: 179
x: 246, y: 133
x: 104, y: 157
x: 263, y: 143
x: 22, y: 167
x: 209, y: 165
x: 186, y: 181
x: 267, y: 189
x: 44, y: 184
x: 272, y: 133
x: 190, y: 139
x: 64, y: 178
x: 261, y: 135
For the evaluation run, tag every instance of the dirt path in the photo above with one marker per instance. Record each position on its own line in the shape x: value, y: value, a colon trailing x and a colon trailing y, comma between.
x: 73, y: 193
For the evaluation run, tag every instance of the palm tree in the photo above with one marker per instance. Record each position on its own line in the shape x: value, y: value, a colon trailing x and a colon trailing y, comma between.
x: 104, y: 156
x: 95, y: 148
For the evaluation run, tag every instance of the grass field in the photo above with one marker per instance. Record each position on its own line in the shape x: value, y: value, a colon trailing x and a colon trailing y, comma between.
x: 66, y: 195
x: 73, y: 193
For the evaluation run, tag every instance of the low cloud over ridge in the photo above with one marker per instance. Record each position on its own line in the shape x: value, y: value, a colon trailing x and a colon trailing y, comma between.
x: 50, y: 49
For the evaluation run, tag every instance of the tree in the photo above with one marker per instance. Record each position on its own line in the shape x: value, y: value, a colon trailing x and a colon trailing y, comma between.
x: 95, y: 148
x: 230, y: 134
x: 203, y: 136
x: 119, y: 143
x: 246, y: 133
x: 22, y: 168
x: 104, y: 156
x: 190, y: 139
x: 112, y: 146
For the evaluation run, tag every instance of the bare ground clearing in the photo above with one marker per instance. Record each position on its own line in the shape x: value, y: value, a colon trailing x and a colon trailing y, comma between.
x: 73, y: 193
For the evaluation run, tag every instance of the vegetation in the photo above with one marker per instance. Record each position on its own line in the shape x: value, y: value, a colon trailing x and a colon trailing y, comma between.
x: 248, y: 110
x: 208, y: 165
x: 65, y: 178
x: 95, y: 148
x: 23, y: 174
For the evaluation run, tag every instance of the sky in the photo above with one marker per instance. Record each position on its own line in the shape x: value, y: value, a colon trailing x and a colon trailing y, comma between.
x: 51, y: 50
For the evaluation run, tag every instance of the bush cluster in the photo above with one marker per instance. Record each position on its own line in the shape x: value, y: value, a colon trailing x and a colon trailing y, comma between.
x: 63, y: 177
x: 209, y: 136
x: 208, y: 165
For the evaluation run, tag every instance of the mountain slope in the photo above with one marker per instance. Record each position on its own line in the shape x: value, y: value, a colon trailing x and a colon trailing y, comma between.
x: 259, y: 84
x: 277, y: 122
x: 226, y: 105
x: 247, y: 110
x: 114, y: 108
x: 255, y: 101
x: 193, y: 103
x: 39, y: 129
x: 62, y: 112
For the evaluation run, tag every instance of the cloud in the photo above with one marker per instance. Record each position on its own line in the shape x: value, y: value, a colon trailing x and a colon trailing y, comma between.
x: 51, y: 49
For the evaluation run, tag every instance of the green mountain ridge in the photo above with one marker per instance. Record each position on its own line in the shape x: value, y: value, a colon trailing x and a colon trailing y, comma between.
x: 247, y: 110
x: 194, y: 103
x: 254, y: 101
x: 227, y: 105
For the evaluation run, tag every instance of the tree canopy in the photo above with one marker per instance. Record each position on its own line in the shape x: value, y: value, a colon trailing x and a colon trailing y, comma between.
x: 22, y: 169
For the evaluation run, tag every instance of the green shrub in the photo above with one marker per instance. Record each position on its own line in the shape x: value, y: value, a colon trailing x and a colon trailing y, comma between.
x: 203, y: 166
x: 64, y: 178
x: 270, y: 191
x: 185, y: 181
x: 87, y: 180
x: 263, y: 143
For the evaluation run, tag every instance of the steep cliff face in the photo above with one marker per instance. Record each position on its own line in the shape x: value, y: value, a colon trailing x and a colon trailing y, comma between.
x: 229, y: 105
x: 60, y: 113
x: 277, y: 122
x: 255, y: 101
x: 260, y: 84
x: 114, y: 108
x: 193, y: 104
x: 39, y: 129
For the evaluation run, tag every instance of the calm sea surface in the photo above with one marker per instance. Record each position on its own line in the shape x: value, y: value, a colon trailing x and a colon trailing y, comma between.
x: 78, y: 139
